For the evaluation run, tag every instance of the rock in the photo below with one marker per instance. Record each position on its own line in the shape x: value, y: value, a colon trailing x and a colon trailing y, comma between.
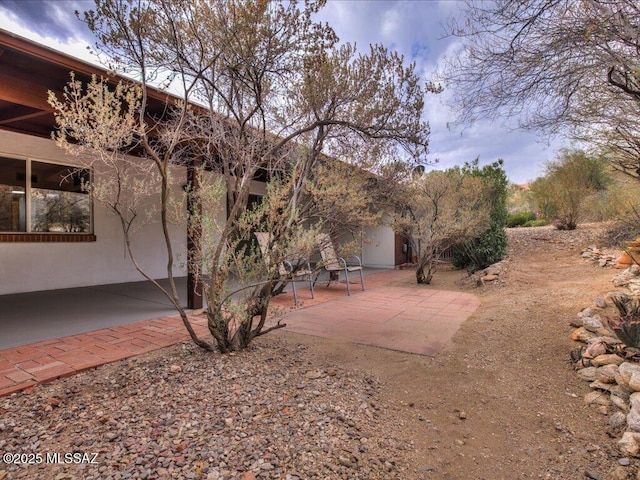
x: 619, y: 403
x: 492, y: 270
x: 594, y: 348
x: 625, y: 462
x: 621, y: 391
x: 592, y: 323
x: 588, y: 374
x: 597, y: 398
x: 345, y: 462
x: 619, y: 473
x: 489, y: 278
x: 600, y: 302
x: 625, y: 370
x: 576, y: 322
x: 587, y: 312
x: 628, y: 444
x: 598, y: 385
x: 582, y: 335
x: 607, y: 359
x: 617, y: 420
x: 633, y: 420
x: 607, y: 373
x: 175, y: 368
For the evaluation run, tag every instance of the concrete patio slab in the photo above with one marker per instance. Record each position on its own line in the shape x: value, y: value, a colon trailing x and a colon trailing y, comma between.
x: 391, y: 313
x: 414, y: 319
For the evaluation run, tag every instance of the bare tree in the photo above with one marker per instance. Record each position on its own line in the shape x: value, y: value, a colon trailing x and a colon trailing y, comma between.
x: 276, y: 93
x: 442, y: 209
x: 557, y: 66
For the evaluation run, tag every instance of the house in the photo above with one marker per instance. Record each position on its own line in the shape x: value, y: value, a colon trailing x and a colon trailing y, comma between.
x: 52, y: 235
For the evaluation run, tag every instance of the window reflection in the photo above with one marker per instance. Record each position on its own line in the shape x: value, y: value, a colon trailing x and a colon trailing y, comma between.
x: 56, y: 198
x: 58, y: 202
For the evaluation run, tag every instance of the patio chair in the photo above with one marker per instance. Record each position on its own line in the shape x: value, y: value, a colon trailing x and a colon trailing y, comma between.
x: 335, y: 264
x: 288, y: 272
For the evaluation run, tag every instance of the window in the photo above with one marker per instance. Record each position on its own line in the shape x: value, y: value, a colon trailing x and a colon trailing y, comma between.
x: 39, y: 197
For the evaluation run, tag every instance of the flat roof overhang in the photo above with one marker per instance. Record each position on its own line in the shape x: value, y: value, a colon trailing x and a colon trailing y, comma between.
x: 28, y: 71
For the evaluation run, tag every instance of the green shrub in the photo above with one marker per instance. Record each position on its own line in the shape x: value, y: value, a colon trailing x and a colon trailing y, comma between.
x: 479, y: 253
x: 519, y: 219
x: 536, y: 223
x: 491, y: 246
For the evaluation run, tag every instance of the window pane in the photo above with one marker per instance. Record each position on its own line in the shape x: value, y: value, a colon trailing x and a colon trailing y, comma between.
x: 58, y: 203
x: 12, y: 195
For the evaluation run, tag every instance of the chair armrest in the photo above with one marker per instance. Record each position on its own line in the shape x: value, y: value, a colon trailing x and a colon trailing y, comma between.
x: 288, y: 266
x: 359, y: 264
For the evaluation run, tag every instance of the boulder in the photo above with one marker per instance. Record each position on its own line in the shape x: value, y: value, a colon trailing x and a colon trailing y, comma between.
x: 600, y: 302
x: 595, y: 348
x: 617, y: 420
x: 582, y: 335
x: 587, y: 374
x: 607, y: 373
x: 633, y: 420
x: 593, y: 324
x: 625, y: 370
x: 607, y: 359
x: 587, y: 312
x: 629, y: 443
x: 619, y: 403
x: 597, y: 398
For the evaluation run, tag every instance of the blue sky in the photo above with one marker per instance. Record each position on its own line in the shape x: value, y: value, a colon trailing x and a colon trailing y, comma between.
x: 413, y: 28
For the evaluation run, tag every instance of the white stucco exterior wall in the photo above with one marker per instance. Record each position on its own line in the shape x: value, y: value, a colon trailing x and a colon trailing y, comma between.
x: 378, y: 246
x: 27, y: 267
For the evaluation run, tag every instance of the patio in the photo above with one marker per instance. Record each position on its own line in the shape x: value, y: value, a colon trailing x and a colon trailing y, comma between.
x: 76, y: 329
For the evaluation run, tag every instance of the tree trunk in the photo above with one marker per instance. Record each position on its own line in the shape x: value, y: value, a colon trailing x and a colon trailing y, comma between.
x: 426, y: 262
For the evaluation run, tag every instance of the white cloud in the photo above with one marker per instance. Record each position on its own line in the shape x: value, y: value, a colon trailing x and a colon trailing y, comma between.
x: 413, y: 28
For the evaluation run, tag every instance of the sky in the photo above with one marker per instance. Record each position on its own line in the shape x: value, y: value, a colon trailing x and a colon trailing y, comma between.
x: 414, y: 28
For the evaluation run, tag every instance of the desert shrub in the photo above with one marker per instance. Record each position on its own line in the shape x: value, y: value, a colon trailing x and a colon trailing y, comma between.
x: 569, y: 180
x: 490, y: 246
x: 519, y: 219
x: 536, y: 223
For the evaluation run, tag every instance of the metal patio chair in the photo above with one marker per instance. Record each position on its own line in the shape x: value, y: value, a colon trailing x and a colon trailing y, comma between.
x: 335, y: 264
x: 290, y: 271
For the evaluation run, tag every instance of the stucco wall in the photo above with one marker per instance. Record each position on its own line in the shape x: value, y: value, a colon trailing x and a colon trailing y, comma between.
x: 26, y: 267
x: 378, y: 246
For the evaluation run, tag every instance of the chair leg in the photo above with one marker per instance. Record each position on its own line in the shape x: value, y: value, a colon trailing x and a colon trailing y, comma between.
x: 295, y: 294
x: 346, y: 276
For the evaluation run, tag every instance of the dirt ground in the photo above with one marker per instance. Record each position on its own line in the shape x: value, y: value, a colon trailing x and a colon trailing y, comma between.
x: 502, y: 401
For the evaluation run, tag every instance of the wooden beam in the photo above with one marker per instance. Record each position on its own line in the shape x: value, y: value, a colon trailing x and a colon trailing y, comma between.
x: 24, y: 93
x: 27, y: 116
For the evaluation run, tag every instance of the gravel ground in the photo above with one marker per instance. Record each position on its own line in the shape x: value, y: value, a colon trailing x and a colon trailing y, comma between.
x: 182, y: 413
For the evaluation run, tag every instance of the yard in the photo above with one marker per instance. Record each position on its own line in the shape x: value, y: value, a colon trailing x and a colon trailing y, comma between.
x: 500, y: 402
